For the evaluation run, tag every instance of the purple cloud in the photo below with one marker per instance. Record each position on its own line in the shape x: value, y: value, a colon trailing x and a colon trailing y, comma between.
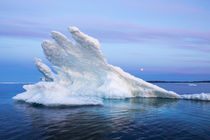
x: 110, y: 31
x: 205, y: 49
x: 163, y: 6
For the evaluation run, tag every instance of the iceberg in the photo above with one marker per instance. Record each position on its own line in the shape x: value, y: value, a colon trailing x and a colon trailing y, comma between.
x: 83, y: 76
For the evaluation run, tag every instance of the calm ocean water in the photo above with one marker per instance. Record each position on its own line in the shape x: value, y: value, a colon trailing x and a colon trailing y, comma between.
x: 130, y: 119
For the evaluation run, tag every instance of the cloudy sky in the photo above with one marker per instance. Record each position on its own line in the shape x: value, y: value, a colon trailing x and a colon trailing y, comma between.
x: 151, y: 39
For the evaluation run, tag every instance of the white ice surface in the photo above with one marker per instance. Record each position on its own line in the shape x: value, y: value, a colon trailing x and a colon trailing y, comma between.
x: 201, y: 96
x: 83, y: 75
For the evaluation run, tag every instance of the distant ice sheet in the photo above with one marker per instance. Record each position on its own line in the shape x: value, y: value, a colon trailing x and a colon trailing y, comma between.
x: 201, y: 96
x: 192, y: 85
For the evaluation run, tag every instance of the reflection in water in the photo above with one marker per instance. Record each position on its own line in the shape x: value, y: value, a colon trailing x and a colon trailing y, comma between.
x: 113, y: 120
x: 136, y: 118
x: 153, y: 102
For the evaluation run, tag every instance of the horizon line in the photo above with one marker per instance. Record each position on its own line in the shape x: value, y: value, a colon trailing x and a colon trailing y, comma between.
x: 150, y: 81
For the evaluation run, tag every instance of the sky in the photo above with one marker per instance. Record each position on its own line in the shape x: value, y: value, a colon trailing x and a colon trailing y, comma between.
x: 151, y: 39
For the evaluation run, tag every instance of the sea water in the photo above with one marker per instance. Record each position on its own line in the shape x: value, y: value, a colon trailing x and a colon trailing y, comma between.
x: 135, y: 118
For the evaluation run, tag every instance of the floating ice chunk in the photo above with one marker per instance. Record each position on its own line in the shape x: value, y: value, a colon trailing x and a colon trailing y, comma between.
x: 201, y: 96
x: 192, y: 85
x: 83, y: 75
